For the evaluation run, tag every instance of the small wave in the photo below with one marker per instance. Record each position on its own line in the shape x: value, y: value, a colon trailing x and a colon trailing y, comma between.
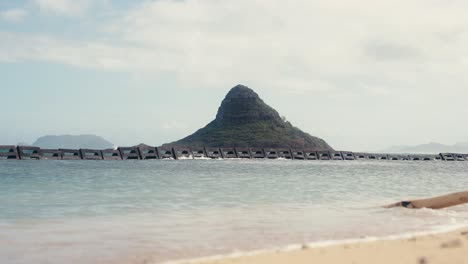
x: 320, y: 244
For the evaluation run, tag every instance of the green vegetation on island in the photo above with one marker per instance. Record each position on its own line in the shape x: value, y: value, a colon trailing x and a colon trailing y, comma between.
x: 244, y: 120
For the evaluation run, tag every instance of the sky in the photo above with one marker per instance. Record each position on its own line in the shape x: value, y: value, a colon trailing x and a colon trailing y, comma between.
x: 361, y: 74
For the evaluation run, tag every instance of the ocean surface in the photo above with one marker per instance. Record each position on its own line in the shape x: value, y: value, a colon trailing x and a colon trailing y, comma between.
x: 89, y: 212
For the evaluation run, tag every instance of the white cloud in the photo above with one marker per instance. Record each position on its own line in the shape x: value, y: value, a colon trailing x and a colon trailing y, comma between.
x: 302, y: 41
x: 95, y: 55
x: 310, y: 46
x: 377, y: 60
x: 64, y: 7
x: 253, y: 41
x: 14, y: 15
x: 325, y: 46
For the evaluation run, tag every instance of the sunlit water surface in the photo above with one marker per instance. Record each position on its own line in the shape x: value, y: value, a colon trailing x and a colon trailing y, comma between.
x: 88, y: 212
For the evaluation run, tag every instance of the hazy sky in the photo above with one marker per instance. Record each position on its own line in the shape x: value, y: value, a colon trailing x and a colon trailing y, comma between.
x: 363, y: 74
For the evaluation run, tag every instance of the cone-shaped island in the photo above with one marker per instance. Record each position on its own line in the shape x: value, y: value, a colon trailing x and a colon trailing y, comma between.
x: 244, y: 120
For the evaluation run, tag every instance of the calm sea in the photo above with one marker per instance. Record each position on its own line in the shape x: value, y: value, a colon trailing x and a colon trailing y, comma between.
x: 85, y: 212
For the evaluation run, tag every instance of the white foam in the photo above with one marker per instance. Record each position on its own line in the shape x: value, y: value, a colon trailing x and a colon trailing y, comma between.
x: 206, y: 158
x: 202, y: 158
x: 185, y: 158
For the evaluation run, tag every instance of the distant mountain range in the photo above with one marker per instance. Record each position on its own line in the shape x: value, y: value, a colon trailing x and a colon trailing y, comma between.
x: 432, y: 147
x: 73, y: 142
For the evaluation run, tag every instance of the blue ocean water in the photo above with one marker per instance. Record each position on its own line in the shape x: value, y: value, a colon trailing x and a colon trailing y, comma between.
x: 155, y: 211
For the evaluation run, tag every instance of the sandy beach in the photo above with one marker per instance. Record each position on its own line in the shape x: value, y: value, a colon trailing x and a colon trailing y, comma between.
x: 451, y: 247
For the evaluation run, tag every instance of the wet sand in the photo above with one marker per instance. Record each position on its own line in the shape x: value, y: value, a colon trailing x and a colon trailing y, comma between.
x: 447, y: 248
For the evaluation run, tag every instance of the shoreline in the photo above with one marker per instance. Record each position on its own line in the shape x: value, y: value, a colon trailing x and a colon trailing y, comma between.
x: 446, y: 244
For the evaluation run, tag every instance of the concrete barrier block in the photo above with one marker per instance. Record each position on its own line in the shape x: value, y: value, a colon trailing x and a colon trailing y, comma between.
x: 448, y: 156
x: 428, y: 157
x: 28, y: 153
x: 459, y: 157
x: 404, y: 157
x: 285, y: 153
x: 298, y: 154
x: 70, y: 154
x: 182, y: 153
x: 323, y: 155
x: 257, y: 153
x: 147, y: 152
x: 374, y: 156
x: 243, y: 153
x: 165, y: 153
x: 382, y: 156
x: 228, y: 153
x: 416, y: 157
x: 129, y: 153
x: 336, y: 155
x: 310, y: 154
x: 347, y: 155
x: 398, y: 157
x: 50, y: 154
x: 270, y: 153
x: 111, y: 154
x: 361, y: 156
x: 8, y: 152
x: 213, y: 153
x: 199, y: 153
x: 91, y: 154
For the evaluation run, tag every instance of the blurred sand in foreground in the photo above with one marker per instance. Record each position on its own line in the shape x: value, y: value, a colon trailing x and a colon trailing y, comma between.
x: 450, y: 248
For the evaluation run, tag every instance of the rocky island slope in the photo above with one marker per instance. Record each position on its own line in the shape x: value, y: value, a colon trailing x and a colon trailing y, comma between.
x: 244, y: 120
